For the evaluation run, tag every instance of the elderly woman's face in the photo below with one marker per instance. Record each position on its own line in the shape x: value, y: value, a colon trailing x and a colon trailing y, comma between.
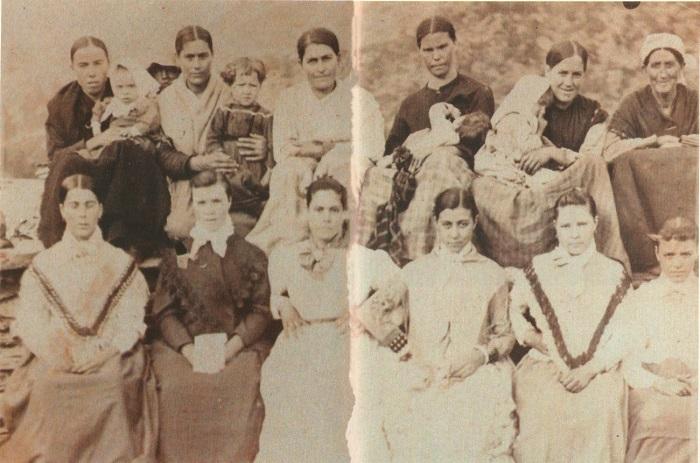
x: 211, y: 206
x: 565, y: 78
x: 663, y: 71
x: 326, y: 215
x: 454, y: 228
x: 437, y: 50
x: 320, y: 64
x: 195, y: 61
x: 91, y: 66
x: 575, y: 228
x: 81, y: 211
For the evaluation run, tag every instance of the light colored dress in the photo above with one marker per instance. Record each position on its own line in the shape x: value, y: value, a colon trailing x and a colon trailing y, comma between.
x: 80, y: 301
x: 185, y: 119
x: 405, y: 412
x: 664, y: 317
x: 350, y: 117
x: 305, y: 386
x: 573, y: 302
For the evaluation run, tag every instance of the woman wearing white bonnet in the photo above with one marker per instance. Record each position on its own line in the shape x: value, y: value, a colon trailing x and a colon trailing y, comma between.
x: 664, y: 110
x: 651, y: 144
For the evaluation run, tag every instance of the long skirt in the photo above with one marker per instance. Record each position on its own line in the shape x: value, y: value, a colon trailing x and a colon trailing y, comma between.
x: 515, y: 222
x: 559, y: 426
x: 651, y: 186
x: 395, y: 421
x: 442, y: 170
x: 208, y: 417
x: 110, y: 415
x: 131, y: 185
x: 282, y: 220
x: 662, y: 427
x: 307, y: 396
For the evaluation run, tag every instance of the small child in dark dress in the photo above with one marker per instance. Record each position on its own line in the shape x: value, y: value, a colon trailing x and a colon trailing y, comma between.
x: 237, y: 126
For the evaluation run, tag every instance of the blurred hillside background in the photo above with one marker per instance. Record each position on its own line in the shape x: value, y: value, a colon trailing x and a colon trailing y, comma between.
x: 497, y: 42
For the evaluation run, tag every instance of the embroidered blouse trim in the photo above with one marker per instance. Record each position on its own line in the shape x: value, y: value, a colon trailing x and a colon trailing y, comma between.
x: 553, y: 323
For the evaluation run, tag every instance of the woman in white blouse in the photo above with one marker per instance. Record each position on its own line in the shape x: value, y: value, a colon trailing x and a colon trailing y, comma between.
x: 321, y: 126
x: 662, y: 368
x: 568, y: 392
x: 305, y: 386
x: 446, y: 394
x: 85, y: 393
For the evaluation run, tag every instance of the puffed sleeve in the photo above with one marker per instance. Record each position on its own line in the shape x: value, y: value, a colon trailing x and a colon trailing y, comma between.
x: 255, y: 322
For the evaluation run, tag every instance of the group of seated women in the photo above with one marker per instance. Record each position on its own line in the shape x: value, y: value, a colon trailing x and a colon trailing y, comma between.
x: 402, y: 282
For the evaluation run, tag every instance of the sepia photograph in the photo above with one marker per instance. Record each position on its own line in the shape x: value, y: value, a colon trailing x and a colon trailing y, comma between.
x: 391, y: 232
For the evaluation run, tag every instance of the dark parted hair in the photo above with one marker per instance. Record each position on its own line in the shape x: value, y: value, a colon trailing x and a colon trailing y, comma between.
x: 209, y: 178
x: 433, y: 25
x: 675, y: 54
x: 327, y: 182
x: 190, y: 34
x: 576, y: 197
x: 243, y: 67
x: 76, y: 181
x: 454, y: 198
x: 566, y: 49
x: 678, y: 229
x: 319, y: 36
x: 87, y: 41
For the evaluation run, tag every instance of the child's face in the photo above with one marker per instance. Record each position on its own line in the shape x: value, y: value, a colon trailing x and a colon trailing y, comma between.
x: 124, y: 87
x: 245, y: 88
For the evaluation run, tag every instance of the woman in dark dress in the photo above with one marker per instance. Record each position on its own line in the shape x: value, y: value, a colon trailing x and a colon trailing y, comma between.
x: 135, y: 206
x: 516, y: 222
x: 652, y: 146
x: 218, y: 292
x: 408, y: 233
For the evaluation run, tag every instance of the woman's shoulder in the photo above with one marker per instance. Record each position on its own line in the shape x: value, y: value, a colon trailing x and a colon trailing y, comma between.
x: 66, y: 95
x: 607, y: 267
x: 246, y: 250
x: 636, y: 98
x: 471, y: 85
x: 688, y: 93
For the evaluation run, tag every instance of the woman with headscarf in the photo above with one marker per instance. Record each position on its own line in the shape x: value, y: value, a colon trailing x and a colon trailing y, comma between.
x: 135, y: 206
x: 515, y: 219
x: 323, y: 125
x: 652, y: 144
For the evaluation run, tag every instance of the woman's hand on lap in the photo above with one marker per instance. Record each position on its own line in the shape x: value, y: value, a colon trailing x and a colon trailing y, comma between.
x: 672, y: 387
x: 577, y: 379
x: 668, y: 141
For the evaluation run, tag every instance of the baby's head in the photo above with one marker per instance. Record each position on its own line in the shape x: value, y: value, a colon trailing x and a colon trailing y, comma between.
x: 123, y: 85
x: 130, y: 82
x: 245, y: 76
